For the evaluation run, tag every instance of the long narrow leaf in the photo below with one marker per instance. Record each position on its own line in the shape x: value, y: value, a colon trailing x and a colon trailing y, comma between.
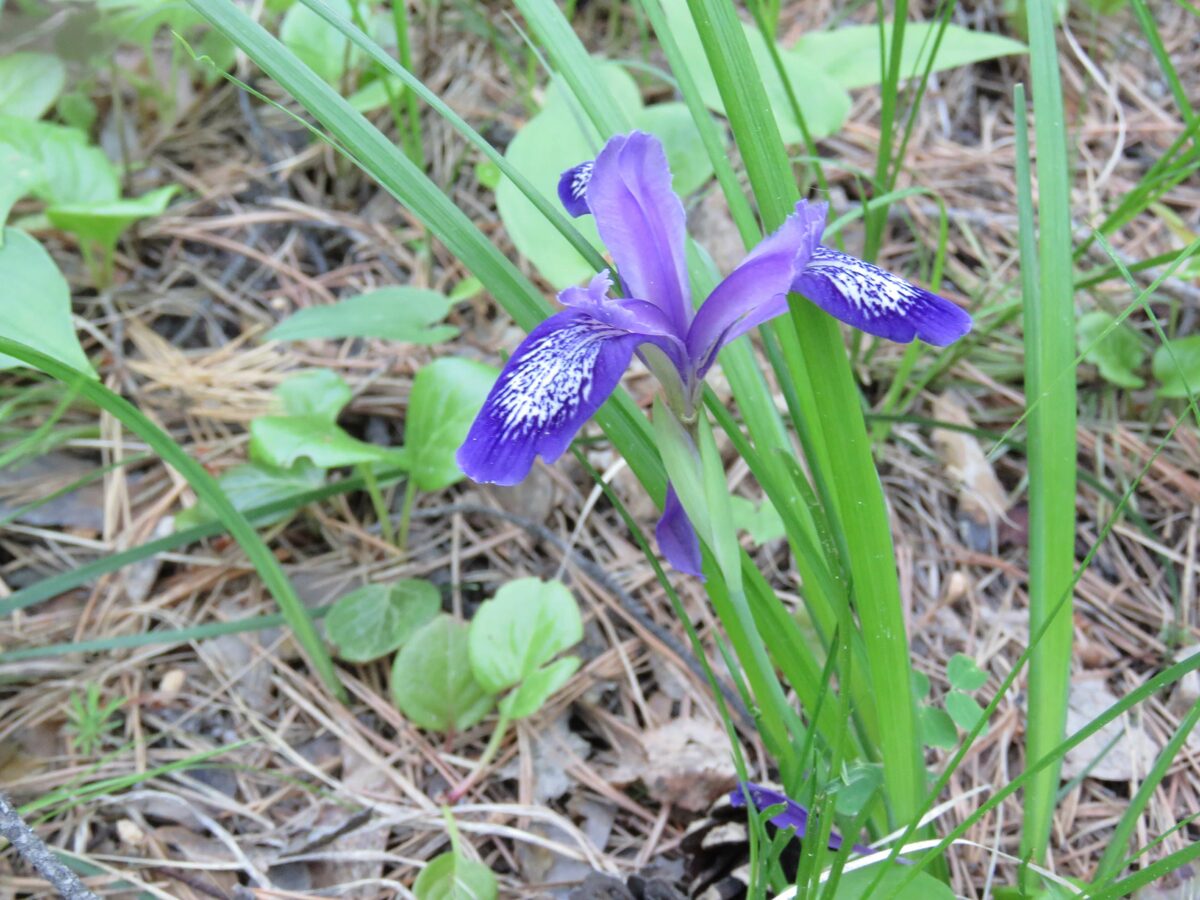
x: 206, y: 489
x: 1049, y: 348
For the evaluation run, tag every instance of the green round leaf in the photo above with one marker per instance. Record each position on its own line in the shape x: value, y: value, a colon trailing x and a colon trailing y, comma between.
x: 320, y: 393
x: 963, y: 710
x: 936, y: 727
x: 851, y: 55
x: 823, y: 101
x: 1177, y: 367
x: 446, y: 396
x: 454, y: 877
x: 523, y: 627
x: 282, y: 441
x: 30, y: 83
x: 375, y: 619
x: 964, y: 674
x: 36, y: 303
x: 762, y: 521
x: 920, y: 684
x: 1117, y: 354
x: 529, y: 696
x: 318, y: 44
x: 856, y: 788
x: 68, y: 170
x: 432, y: 682
x: 856, y: 885
x: 405, y: 314
x: 251, y: 485
x: 103, y: 221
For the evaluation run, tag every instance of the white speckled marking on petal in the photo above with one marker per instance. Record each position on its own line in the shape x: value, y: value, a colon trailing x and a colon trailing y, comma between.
x: 552, y: 381
x: 871, y: 290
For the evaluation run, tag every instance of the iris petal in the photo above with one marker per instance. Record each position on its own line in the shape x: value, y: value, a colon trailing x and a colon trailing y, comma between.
x: 792, y: 816
x: 557, y: 378
x: 572, y: 188
x: 878, y: 302
x: 676, y: 538
x: 757, y: 289
x: 642, y: 223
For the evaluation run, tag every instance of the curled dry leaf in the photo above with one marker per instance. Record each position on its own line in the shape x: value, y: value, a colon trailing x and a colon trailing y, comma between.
x: 684, y: 762
x: 982, y: 500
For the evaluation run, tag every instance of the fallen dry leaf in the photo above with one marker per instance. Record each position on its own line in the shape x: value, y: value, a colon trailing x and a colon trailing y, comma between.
x: 982, y: 500
x: 685, y: 762
x: 1131, y: 755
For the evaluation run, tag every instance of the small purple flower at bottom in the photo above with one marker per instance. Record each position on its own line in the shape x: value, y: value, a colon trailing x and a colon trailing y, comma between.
x: 570, y: 363
x: 793, y: 816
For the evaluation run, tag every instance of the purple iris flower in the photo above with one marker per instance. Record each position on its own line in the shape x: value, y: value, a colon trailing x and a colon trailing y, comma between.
x: 570, y: 363
x: 792, y: 816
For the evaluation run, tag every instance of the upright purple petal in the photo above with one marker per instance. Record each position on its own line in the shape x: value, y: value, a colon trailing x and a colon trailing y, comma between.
x: 757, y: 289
x: 557, y: 378
x: 642, y: 223
x: 877, y: 302
x: 572, y: 188
x: 792, y: 816
x: 676, y: 538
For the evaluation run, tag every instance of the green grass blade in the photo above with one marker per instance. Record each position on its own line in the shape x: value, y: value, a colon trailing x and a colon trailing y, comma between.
x: 1112, y: 861
x: 834, y: 409
x: 417, y: 88
x: 151, y: 638
x: 1050, y: 388
x: 58, y: 584
x: 206, y: 489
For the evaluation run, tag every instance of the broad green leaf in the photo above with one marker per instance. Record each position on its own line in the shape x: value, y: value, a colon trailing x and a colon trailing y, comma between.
x: 317, y: 43
x: 920, y: 683
x: 432, y: 682
x: 103, y: 221
x: 470, y: 286
x: 282, y: 441
x: 454, y: 877
x: 936, y: 727
x: 523, y: 627
x: 553, y: 141
x: 963, y: 709
x: 405, y: 314
x: 855, y: 789
x: 77, y: 110
x: 445, y: 398
x: 30, y: 83
x: 762, y: 521
x: 823, y: 101
x: 374, y: 95
x: 856, y: 885
x: 1118, y: 355
x: 964, y: 673
x: 35, y: 303
x: 1177, y: 367
x: 850, y: 55
x: 530, y: 695
x: 69, y: 171
x: 251, y: 485
x: 22, y: 176
x: 376, y: 619
x: 320, y: 393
